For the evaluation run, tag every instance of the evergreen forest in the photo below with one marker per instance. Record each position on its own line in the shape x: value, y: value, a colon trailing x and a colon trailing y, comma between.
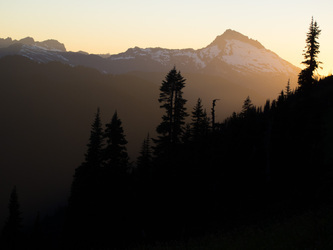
x: 241, y: 182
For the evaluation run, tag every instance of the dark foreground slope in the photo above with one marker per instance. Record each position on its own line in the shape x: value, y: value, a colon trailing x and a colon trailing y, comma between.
x: 261, y: 164
x: 267, y: 168
x: 47, y: 110
x: 264, y: 180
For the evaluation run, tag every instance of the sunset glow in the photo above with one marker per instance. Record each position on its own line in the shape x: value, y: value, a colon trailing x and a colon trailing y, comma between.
x: 114, y: 26
x: 138, y: 124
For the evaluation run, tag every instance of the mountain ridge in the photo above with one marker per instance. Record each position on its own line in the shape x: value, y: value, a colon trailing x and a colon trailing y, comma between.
x: 233, y: 56
x: 223, y: 47
x: 49, y: 44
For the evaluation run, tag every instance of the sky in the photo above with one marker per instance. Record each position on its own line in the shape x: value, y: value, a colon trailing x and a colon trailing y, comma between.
x: 113, y: 26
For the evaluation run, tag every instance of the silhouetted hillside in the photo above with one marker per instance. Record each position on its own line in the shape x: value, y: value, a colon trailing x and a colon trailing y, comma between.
x: 262, y: 166
x: 47, y: 112
x: 48, y: 108
x: 263, y: 162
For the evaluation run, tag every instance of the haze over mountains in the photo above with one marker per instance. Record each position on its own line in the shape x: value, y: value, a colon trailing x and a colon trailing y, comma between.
x: 49, y: 97
x: 230, y: 55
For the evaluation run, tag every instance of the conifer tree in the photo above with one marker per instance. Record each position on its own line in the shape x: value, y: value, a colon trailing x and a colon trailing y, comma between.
x: 12, y: 229
x: 288, y: 89
x: 171, y: 128
x: 311, y: 52
x: 115, y: 153
x: 200, y: 121
x: 93, y: 160
x: 82, y: 208
x: 93, y: 156
x: 247, y: 107
x: 116, y: 208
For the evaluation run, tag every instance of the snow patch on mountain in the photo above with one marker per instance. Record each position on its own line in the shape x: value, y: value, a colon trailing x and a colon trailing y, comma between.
x: 192, y: 55
x: 210, y: 52
x: 122, y: 58
x: 162, y: 56
x: 244, y: 55
x: 42, y: 54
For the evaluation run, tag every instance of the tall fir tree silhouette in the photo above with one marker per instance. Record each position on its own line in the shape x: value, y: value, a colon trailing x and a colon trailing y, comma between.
x: 115, y: 204
x: 93, y: 160
x: 305, y: 78
x: 200, y: 121
x: 171, y: 128
x: 247, y: 107
x: 115, y: 153
x: 93, y: 157
x: 11, y: 233
x: 83, y: 201
x: 288, y: 89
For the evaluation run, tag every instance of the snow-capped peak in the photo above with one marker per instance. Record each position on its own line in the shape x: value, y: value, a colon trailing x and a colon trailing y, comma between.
x: 229, y: 52
x: 231, y: 48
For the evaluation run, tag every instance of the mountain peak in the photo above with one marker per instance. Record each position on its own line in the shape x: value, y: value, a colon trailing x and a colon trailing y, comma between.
x: 50, y: 44
x: 28, y: 41
x: 230, y: 34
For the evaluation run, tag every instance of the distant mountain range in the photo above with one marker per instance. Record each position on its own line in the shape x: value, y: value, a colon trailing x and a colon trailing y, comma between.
x: 229, y: 54
x: 231, y: 51
x: 51, y: 45
x: 49, y: 97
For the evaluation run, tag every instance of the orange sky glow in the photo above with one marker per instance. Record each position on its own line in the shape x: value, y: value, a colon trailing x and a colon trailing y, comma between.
x: 110, y: 26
